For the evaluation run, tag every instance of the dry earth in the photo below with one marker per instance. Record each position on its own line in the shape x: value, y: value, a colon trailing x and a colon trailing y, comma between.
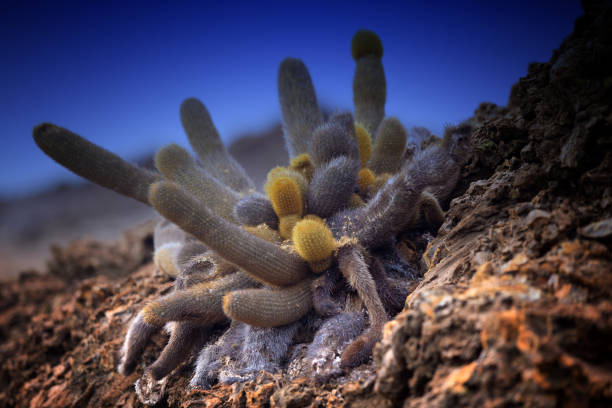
x: 514, y: 309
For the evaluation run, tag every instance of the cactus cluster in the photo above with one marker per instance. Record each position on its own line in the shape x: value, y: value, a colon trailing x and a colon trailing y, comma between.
x: 307, y: 247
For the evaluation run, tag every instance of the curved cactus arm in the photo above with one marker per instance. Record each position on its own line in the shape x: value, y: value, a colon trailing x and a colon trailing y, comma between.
x: 369, y: 83
x: 211, y: 358
x: 264, y: 261
x: 255, y: 209
x: 183, y: 338
x: 166, y: 232
x: 354, y: 268
x: 395, y: 206
x: 392, y: 291
x: 177, y: 165
x: 322, y: 287
x: 399, y: 202
x: 269, y: 307
x: 332, y: 186
x: 93, y: 162
x: 168, y: 241
x: 447, y: 158
x: 136, y: 339
x: 200, y: 303
x: 299, y: 107
x: 388, y: 152
x: 164, y: 258
x: 205, y: 141
x: 434, y: 216
x: 334, y: 138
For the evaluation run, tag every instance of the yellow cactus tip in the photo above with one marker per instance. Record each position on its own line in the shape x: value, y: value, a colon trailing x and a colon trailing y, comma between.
x: 275, y: 172
x: 315, y: 243
x: 366, y: 42
x: 365, y: 179
x: 300, y: 161
x: 284, y: 194
x: 316, y: 218
x: 302, y: 164
x: 364, y: 141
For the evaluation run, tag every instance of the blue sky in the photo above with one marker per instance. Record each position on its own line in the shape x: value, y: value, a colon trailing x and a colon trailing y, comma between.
x: 116, y: 72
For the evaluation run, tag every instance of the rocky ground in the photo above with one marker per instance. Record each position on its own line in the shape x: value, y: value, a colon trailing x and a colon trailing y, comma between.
x: 514, y: 309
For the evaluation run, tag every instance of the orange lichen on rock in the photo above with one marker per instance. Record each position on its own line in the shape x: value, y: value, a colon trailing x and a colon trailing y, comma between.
x: 456, y: 380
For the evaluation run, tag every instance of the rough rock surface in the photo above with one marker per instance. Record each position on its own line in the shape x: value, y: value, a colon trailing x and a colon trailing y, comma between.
x: 515, y: 307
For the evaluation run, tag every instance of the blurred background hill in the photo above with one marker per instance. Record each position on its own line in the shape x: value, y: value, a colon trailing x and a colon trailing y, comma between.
x: 69, y: 211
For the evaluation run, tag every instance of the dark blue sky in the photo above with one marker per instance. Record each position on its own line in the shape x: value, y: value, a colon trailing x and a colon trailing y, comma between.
x: 116, y: 72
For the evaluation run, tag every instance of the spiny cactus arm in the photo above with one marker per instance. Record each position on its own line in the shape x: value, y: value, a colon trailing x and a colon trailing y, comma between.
x: 183, y: 338
x: 299, y: 107
x: 262, y: 260
x: 168, y: 241
x: 391, y: 291
x: 448, y: 157
x: 204, y: 266
x: 176, y: 164
x: 332, y: 337
x: 332, y: 186
x: 193, y: 264
x: 166, y: 232
x: 398, y: 203
x: 164, y: 258
x: 264, y: 232
x: 346, y: 223
x: 136, y: 339
x: 393, y: 207
x: 334, y: 138
x: 369, y: 84
x: 255, y: 209
x: 434, y: 216
x: 388, y: 152
x: 386, y: 215
x: 322, y: 288
x: 93, y: 162
x: 269, y: 307
x: 205, y: 141
x: 200, y: 303
x: 210, y: 358
x: 354, y: 268
x: 379, y: 181
x: 439, y: 169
